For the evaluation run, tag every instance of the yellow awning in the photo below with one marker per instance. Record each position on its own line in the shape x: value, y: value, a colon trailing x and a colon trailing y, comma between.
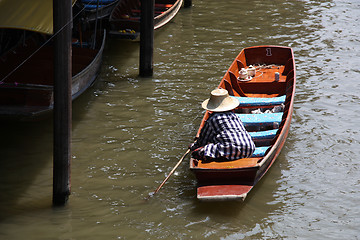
x: 33, y: 15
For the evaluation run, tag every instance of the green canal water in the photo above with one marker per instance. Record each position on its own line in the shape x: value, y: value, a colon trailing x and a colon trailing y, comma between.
x: 129, y: 132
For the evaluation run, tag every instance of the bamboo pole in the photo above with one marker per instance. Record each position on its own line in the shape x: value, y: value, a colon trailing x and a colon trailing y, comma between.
x: 171, y: 172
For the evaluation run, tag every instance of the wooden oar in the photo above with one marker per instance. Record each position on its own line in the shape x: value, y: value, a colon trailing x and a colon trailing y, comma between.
x: 172, y: 171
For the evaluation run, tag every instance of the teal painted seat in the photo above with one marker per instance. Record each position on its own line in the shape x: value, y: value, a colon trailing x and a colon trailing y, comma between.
x: 260, y: 151
x: 262, y: 135
x: 256, y: 102
x: 265, y: 119
x: 94, y: 2
x: 89, y: 6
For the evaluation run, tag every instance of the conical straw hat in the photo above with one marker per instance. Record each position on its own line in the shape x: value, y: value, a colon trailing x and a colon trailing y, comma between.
x: 220, y: 101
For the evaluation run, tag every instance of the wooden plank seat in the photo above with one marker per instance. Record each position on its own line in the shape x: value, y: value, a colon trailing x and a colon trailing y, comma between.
x: 256, y: 102
x: 265, y: 119
x: 262, y: 135
x: 94, y: 2
x: 260, y: 151
x: 239, y: 163
x: 90, y: 6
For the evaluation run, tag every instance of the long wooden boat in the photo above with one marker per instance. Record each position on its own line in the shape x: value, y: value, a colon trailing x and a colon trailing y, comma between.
x: 27, y: 93
x: 266, y: 106
x: 124, y: 20
x: 96, y: 9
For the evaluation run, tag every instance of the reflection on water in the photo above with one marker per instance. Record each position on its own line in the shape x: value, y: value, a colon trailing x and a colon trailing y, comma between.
x: 129, y: 132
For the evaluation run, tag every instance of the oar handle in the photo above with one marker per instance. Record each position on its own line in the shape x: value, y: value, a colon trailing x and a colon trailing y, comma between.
x: 172, y: 171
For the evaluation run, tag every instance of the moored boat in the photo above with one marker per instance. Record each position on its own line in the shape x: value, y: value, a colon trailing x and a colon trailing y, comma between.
x: 26, y: 66
x: 263, y: 79
x: 97, y: 9
x: 124, y: 20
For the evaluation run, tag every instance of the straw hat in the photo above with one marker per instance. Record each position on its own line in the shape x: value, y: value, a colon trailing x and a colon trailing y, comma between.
x: 220, y: 101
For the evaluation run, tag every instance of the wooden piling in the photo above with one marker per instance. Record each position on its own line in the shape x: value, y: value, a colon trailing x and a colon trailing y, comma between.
x: 187, y: 3
x: 147, y: 37
x: 62, y: 13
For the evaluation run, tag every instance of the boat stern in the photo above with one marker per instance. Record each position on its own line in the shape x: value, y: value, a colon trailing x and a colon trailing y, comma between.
x: 223, y: 192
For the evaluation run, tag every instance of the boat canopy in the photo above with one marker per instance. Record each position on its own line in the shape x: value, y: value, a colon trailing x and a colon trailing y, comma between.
x: 32, y: 15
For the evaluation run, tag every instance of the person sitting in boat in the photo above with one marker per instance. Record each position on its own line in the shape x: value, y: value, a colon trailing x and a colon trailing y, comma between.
x: 223, y: 136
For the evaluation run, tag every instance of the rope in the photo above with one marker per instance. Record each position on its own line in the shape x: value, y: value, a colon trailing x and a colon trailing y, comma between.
x: 264, y: 66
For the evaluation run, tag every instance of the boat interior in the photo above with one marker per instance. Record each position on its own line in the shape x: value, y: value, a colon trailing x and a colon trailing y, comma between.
x: 264, y: 98
x: 38, y: 69
x: 26, y: 70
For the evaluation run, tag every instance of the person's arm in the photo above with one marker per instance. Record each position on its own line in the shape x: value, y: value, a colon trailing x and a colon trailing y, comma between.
x: 203, y: 137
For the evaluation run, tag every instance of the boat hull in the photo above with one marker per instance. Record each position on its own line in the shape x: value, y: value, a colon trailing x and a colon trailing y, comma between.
x: 125, y: 18
x: 27, y: 95
x: 92, y: 13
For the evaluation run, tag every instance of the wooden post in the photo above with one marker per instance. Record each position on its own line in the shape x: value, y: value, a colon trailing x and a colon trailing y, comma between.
x: 62, y: 11
x: 147, y: 37
x: 187, y: 3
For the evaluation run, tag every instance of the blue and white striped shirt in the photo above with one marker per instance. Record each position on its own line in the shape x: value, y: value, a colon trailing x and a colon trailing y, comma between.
x: 224, y: 136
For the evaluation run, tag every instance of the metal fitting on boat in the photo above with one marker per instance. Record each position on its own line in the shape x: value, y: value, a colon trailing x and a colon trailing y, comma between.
x: 251, y: 71
x: 243, y: 74
x: 277, y: 76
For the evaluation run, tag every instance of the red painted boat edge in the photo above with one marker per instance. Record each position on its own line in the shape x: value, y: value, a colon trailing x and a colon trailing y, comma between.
x: 223, y: 192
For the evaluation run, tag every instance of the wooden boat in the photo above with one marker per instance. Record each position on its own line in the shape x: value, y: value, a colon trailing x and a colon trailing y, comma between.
x: 96, y: 9
x: 271, y: 92
x: 124, y: 20
x: 26, y: 88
